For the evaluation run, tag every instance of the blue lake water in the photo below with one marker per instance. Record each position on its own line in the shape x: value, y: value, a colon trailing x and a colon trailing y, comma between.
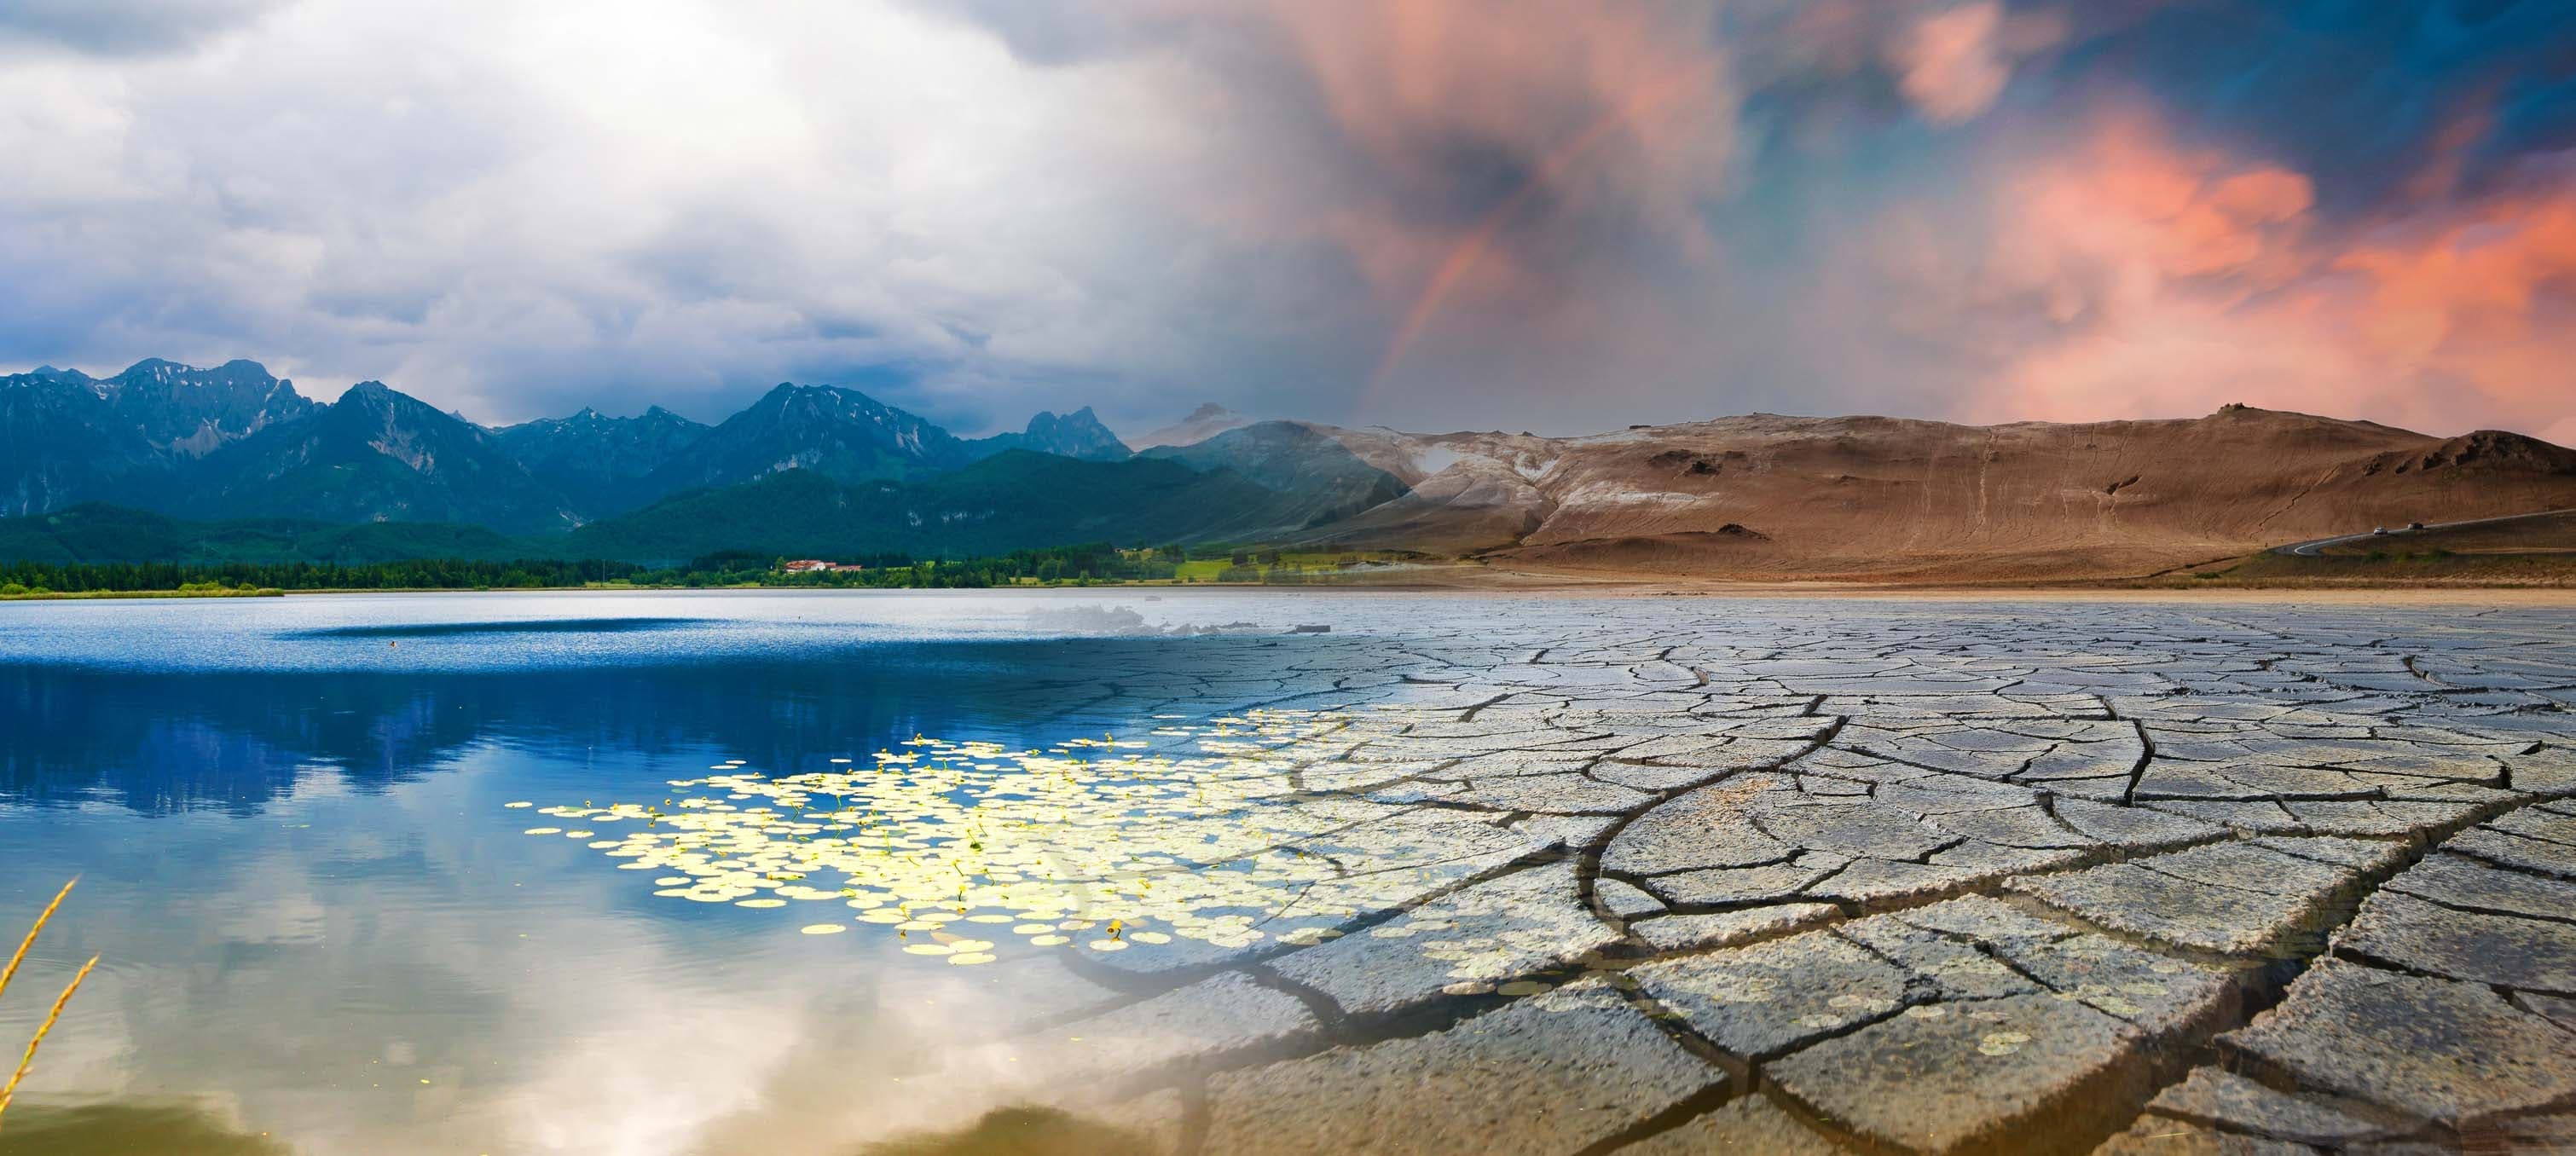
x: 319, y: 919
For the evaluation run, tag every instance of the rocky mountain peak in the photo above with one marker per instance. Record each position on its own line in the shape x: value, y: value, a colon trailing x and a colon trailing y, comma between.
x: 1207, y: 421
x: 1075, y: 435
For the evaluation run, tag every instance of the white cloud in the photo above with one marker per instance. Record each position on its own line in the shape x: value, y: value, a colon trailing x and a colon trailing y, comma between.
x: 500, y: 206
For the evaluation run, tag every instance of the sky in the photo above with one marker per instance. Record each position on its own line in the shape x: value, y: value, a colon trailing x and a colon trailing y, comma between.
x: 1562, y: 216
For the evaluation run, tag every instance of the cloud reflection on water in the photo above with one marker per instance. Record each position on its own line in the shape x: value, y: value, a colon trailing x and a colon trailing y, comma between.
x: 311, y: 898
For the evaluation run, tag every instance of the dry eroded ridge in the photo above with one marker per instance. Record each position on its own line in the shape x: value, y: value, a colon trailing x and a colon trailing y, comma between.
x: 1726, y: 876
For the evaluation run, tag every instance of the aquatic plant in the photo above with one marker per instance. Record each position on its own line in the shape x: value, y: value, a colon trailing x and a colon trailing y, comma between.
x: 1200, y: 833
x: 27, y: 1061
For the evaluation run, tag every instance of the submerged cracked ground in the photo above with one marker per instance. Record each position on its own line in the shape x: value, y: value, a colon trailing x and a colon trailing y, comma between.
x: 1568, y: 875
x: 2155, y: 878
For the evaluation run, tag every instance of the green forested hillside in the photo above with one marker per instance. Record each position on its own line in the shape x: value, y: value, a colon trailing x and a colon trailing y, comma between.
x: 1010, y: 501
x: 98, y: 533
x: 1014, y: 500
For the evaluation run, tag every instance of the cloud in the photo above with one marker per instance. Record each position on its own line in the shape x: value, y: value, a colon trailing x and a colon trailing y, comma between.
x: 2173, y: 279
x: 1955, y: 62
x: 1522, y: 213
x: 1489, y: 155
x: 125, y: 27
x: 510, y: 208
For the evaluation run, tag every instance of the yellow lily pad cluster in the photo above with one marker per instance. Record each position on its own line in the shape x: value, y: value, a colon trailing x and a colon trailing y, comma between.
x: 964, y: 847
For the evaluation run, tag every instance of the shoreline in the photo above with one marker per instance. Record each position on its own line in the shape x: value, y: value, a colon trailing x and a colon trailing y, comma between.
x: 1482, y: 581
x: 97, y: 595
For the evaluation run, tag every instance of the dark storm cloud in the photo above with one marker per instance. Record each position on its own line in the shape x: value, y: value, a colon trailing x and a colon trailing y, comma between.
x: 125, y: 27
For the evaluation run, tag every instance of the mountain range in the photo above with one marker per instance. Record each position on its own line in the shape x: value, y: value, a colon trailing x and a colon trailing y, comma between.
x: 234, y: 442
x: 824, y: 470
x: 67, y: 437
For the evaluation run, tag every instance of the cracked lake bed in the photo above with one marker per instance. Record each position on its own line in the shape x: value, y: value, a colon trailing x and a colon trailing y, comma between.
x: 1466, y: 873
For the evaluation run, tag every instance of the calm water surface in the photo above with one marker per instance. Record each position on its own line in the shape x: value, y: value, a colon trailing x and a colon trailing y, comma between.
x: 320, y: 922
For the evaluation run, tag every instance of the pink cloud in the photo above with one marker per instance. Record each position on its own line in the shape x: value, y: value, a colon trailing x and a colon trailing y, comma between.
x: 1953, y: 63
x: 2177, y: 279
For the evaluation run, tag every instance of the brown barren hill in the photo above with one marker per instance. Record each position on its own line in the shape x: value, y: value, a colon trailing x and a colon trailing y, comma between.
x: 1766, y: 496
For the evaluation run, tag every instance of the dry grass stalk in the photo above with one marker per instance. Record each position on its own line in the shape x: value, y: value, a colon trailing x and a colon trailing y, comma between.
x: 27, y: 1062
x: 29, y: 943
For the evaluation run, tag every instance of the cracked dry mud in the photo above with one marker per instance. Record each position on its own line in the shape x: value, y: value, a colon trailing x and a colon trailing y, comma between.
x: 2135, y: 878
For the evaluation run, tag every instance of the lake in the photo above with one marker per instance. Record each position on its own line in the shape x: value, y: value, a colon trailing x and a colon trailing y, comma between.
x: 775, y: 872
x: 319, y: 916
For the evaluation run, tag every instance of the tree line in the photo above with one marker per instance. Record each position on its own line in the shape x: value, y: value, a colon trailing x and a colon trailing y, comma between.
x: 413, y: 574
x: 1086, y: 562
x: 1083, y: 563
